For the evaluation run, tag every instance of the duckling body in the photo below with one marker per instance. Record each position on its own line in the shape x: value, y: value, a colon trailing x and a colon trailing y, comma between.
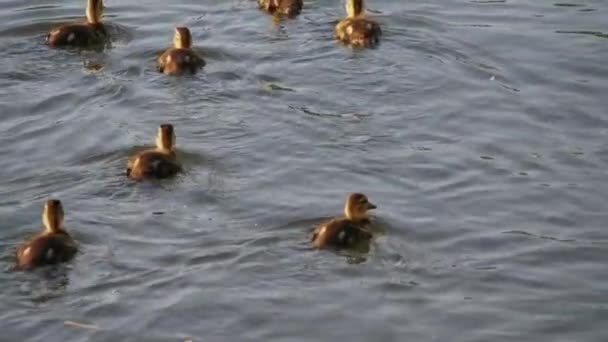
x: 357, y: 30
x: 180, y: 59
x: 87, y: 34
x: 288, y: 8
x: 51, y: 246
x: 153, y: 164
x: 77, y: 35
x: 160, y: 162
x: 348, y: 230
x: 339, y: 233
x: 46, y: 249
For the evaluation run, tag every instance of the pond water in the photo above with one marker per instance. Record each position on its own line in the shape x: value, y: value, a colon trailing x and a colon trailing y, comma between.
x: 479, y: 129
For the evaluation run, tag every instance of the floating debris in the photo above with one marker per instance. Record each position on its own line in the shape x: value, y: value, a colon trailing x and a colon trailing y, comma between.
x: 81, y: 325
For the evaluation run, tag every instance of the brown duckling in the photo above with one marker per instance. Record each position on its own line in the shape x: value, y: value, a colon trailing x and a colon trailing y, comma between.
x: 91, y: 32
x: 357, y: 30
x: 346, y: 231
x: 52, y: 245
x: 180, y: 58
x: 289, y: 8
x: 159, y: 162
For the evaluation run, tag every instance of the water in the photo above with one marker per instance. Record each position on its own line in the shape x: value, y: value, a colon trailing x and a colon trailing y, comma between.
x: 477, y: 127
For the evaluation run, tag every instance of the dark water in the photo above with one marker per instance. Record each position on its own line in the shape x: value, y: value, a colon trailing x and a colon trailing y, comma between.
x: 479, y: 128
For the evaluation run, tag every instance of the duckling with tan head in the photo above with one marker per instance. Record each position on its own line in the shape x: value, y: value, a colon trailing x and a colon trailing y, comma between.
x: 159, y: 162
x: 289, y: 8
x: 52, y: 245
x: 87, y: 34
x: 357, y: 30
x: 348, y: 230
x: 180, y: 58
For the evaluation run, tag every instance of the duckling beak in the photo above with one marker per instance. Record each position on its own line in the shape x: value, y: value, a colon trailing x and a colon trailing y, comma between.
x: 371, y: 206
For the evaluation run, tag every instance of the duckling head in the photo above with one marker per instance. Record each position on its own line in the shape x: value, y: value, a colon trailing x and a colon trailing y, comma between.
x: 357, y: 206
x: 182, y: 38
x: 165, y: 138
x: 354, y: 8
x: 94, y: 11
x: 52, y: 216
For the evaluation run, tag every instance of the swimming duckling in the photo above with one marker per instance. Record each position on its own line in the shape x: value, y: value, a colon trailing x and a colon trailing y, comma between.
x: 159, y: 162
x: 52, y: 245
x: 289, y: 8
x: 180, y: 58
x: 91, y: 32
x: 348, y: 230
x: 357, y: 30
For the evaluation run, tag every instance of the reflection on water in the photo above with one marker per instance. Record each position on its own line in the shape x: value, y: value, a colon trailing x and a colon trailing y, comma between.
x: 592, y: 33
x: 478, y: 127
x: 47, y: 284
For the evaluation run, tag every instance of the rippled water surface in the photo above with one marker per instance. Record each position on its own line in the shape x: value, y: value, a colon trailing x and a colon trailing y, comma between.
x: 479, y: 129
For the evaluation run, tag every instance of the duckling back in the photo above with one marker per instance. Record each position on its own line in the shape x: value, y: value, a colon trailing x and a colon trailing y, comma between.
x: 152, y: 164
x: 358, y: 32
x: 339, y: 233
x: 179, y: 61
x: 283, y: 7
x: 77, y: 35
x: 46, y: 249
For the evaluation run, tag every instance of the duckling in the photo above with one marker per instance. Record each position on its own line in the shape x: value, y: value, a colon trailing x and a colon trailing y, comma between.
x: 357, y: 30
x: 91, y: 32
x: 348, y: 230
x: 180, y: 58
x: 289, y: 8
x: 52, y: 245
x: 159, y: 162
